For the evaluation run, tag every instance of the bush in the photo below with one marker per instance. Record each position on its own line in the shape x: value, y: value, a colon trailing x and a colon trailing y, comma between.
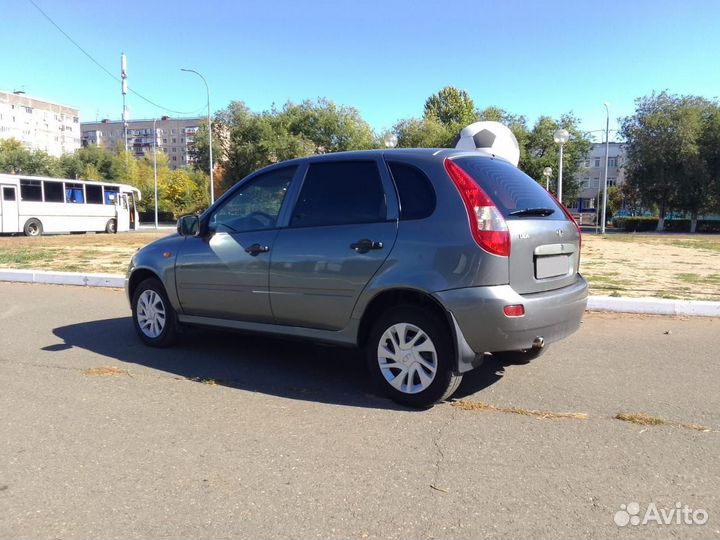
x: 635, y: 223
x: 163, y: 217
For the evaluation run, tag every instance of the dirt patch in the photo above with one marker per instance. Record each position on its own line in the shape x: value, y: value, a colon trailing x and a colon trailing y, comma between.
x: 97, y: 253
x: 661, y: 266
x: 105, y: 372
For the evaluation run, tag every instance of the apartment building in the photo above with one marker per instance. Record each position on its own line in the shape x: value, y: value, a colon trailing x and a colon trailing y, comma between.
x: 173, y: 136
x: 591, y: 173
x: 39, y: 124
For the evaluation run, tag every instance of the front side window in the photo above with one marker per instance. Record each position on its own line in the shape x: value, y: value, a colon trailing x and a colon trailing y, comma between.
x: 337, y: 193
x: 111, y: 194
x: 255, y: 206
x: 8, y: 194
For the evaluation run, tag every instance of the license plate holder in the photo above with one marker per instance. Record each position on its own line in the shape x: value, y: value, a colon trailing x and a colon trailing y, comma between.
x: 552, y: 266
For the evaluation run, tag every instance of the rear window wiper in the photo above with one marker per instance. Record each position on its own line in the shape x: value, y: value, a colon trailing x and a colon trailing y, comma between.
x: 533, y: 212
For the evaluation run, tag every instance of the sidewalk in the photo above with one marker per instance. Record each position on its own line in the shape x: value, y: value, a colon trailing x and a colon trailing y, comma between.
x: 654, y: 306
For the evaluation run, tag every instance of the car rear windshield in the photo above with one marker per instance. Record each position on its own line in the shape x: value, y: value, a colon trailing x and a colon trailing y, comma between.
x: 511, y: 190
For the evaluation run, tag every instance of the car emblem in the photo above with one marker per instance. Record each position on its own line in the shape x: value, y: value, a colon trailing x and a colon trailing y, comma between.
x: 559, y: 232
x: 523, y: 236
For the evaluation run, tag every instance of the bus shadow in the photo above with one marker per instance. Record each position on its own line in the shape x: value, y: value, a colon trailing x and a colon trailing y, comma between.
x: 284, y: 368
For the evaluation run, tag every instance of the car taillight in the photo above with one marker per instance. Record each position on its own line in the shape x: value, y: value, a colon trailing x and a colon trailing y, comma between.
x: 487, y: 224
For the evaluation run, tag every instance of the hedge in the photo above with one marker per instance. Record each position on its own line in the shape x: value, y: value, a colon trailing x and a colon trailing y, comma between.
x: 683, y: 225
x: 163, y: 217
x: 638, y: 224
x: 635, y: 223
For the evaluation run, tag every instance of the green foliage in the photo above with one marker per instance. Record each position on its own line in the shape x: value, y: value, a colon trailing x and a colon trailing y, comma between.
x: 450, y: 107
x: 540, y: 151
x: 15, y: 158
x: 636, y: 223
x: 181, y: 191
x: 615, y: 201
x: 672, y: 153
x: 244, y: 141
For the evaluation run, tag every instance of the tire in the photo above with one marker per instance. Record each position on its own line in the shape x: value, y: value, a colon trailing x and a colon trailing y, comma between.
x: 111, y: 226
x: 153, y: 316
x: 33, y: 227
x: 519, y: 358
x: 424, y: 374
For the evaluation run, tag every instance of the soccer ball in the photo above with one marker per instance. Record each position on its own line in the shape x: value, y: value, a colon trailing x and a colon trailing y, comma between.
x: 491, y: 138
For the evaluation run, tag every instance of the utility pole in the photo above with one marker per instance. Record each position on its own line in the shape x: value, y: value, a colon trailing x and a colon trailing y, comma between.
x: 123, y: 77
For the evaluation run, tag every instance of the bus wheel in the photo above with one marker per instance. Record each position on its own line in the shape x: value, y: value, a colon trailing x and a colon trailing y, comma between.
x: 111, y: 226
x: 33, y: 227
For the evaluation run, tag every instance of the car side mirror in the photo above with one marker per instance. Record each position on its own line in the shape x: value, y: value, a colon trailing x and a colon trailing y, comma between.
x: 188, y: 225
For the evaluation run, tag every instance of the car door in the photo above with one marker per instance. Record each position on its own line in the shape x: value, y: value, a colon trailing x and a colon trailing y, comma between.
x: 340, y: 231
x: 223, y: 272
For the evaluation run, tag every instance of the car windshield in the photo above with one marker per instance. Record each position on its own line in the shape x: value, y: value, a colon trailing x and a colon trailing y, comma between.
x: 516, y: 195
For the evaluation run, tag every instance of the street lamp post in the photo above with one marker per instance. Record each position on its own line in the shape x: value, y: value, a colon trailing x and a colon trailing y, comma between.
x: 547, y: 173
x: 605, y: 181
x: 155, y: 170
x: 207, y: 88
x: 561, y: 137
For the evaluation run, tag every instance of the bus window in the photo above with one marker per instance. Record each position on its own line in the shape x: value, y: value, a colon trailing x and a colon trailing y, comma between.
x: 30, y: 190
x: 94, y: 194
x: 110, y: 194
x: 54, y: 192
x: 74, y: 193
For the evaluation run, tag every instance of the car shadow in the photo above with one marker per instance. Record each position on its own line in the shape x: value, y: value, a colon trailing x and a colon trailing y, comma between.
x: 285, y: 368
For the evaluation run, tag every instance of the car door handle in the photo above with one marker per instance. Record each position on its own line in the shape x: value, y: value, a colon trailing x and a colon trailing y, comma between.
x: 365, y: 245
x: 256, y: 248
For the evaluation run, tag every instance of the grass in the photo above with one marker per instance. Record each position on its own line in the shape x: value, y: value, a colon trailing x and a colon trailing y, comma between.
x: 710, y: 279
x: 642, y: 419
x: 545, y: 415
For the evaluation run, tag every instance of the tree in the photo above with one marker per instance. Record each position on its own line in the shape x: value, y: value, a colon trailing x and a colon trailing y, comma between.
x: 541, y: 151
x: 451, y: 107
x: 664, y: 159
x: 15, y: 158
x: 423, y: 133
x: 247, y: 141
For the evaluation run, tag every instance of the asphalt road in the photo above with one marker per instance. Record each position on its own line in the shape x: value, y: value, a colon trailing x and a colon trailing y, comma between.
x: 239, y: 436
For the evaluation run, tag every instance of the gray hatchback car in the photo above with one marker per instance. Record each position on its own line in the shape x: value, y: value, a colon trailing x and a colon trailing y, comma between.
x: 428, y: 259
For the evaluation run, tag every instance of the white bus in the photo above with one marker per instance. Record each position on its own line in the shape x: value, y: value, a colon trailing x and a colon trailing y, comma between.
x: 35, y: 204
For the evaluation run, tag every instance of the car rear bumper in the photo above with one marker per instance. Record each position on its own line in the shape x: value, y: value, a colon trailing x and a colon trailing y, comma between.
x: 478, y: 312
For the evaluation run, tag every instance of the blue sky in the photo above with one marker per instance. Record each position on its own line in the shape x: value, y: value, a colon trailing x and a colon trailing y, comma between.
x: 383, y: 57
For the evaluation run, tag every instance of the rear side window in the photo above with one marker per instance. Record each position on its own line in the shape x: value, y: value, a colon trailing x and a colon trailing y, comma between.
x: 417, y: 196
x: 54, y: 192
x: 510, y: 189
x: 94, y: 194
x: 74, y: 193
x: 339, y: 193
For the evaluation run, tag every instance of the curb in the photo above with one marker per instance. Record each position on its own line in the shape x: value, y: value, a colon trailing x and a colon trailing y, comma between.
x: 63, y: 278
x: 652, y: 306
